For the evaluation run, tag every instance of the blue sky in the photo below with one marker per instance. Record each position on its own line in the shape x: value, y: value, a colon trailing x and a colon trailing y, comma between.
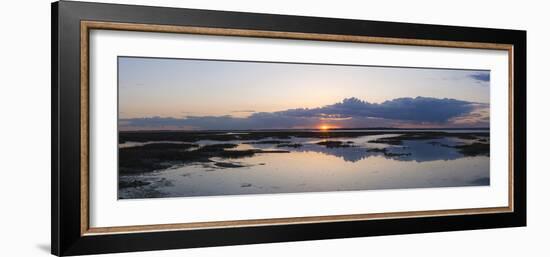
x: 157, y: 93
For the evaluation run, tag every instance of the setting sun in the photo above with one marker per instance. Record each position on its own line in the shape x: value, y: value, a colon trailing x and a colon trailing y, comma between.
x: 324, y: 127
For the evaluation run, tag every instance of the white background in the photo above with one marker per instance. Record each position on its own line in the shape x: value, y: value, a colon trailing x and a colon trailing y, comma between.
x: 25, y: 128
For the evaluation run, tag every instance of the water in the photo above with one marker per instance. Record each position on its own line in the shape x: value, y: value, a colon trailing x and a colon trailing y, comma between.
x: 313, y: 167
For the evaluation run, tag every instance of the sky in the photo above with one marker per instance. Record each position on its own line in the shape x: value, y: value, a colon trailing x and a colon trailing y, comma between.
x: 185, y: 94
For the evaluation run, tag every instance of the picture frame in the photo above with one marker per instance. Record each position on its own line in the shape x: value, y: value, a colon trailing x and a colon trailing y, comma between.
x: 72, y: 23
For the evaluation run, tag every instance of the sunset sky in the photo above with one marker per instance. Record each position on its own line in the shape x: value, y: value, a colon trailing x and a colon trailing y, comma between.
x: 186, y: 94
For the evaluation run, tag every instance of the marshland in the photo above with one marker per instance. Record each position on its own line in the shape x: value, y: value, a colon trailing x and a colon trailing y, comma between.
x: 204, y: 163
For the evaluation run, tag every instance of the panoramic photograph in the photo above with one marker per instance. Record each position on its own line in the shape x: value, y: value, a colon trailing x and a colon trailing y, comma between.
x: 192, y: 127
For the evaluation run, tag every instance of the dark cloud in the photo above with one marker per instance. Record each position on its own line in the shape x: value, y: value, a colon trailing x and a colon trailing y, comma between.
x: 351, y: 112
x: 421, y: 109
x: 482, y: 76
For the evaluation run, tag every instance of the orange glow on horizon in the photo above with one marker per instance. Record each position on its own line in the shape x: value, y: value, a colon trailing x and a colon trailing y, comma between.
x: 324, y: 127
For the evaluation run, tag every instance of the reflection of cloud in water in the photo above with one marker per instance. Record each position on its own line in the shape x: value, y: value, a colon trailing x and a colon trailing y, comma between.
x: 410, y: 150
x: 428, y: 150
x: 308, y: 172
x: 318, y: 168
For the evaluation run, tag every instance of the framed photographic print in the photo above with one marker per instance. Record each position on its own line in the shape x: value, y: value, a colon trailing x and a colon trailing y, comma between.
x: 177, y: 128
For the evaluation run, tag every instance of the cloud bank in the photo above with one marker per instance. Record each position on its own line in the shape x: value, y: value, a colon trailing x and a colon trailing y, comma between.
x: 349, y: 113
x: 481, y: 77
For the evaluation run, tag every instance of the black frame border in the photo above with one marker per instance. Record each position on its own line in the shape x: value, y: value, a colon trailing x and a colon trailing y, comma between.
x: 66, y: 236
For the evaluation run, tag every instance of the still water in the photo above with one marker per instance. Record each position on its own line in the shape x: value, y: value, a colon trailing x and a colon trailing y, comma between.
x: 314, y: 167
